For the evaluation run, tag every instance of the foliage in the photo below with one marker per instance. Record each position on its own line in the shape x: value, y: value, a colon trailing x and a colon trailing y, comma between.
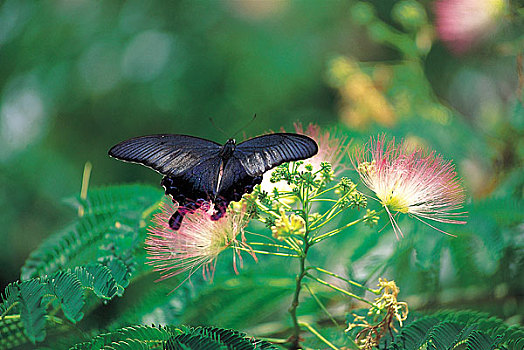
x: 78, y: 77
x: 100, y: 256
x: 452, y: 329
x: 171, y: 338
x: 97, y: 253
x: 64, y: 290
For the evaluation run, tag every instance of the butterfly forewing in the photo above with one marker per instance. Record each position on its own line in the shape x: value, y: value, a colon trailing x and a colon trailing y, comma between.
x: 262, y: 153
x: 172, y: 155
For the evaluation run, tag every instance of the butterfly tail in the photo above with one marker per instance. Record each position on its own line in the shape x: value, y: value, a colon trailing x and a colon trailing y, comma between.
x: 189, y: 207
x: 176, y: 220
x: 220, y: 208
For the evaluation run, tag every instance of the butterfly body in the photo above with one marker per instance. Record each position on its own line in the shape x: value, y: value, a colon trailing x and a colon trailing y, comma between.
x: 198, y: 171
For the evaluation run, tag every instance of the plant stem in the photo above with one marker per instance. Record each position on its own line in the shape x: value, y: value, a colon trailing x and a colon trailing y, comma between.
x: 272, y: 245
x: 318, y: 335
x: 344, y: 279
x: 266, y: 253
x: 295, y: 338
x: 321, y: 305
x: 338, y: 289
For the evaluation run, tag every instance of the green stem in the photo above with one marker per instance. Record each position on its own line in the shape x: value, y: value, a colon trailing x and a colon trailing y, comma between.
x: 356, y: 284
x: 7, y: 310
x: 53, y: 319
x: 293, y: 244
x: 337, y: 230
x: 150, y: 209
x: 266, y: 253
x: 322, y: 192
x: 295, y: 338
x: 325, y: 200
x: 272, y: 245
x: 318, y: 335
x: 340, y: 229
x: 267, y: 211
x: 328, y: 219
x: 328, y: 215
x: 338, y: 289
x: 321, y: 305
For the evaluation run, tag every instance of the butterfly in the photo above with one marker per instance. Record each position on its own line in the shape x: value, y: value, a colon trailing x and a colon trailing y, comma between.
x: 199, y: 171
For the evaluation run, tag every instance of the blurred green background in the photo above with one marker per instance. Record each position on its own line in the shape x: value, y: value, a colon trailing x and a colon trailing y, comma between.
x: 76, y: 77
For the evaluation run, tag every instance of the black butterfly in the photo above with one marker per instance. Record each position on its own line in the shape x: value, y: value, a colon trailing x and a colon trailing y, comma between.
x: 197, y: 171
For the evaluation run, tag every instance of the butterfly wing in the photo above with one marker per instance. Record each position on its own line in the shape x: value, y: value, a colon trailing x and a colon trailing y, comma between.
x: 255, y: 156
x: 235, y: 181
x: 259, y: 154
x: 171, y: 155
x: 192, y: 162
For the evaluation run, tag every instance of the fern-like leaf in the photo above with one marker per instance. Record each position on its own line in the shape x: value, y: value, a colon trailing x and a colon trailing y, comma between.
x: 479, y: 341
x: 75, y: 245
x: 109, y: 226
x: 112, y: 199
x: 12, y: 333
x: 199, y: 341
x: 105, y: 285
x: 442, y: 336
x: 170, y: 337
x: 68, y: 289
x: 32, y: 310
x: 457, y: 330
x: 131, y: 344
x: 411, y: 338
x: 10, y: 296
x: 120, y: 272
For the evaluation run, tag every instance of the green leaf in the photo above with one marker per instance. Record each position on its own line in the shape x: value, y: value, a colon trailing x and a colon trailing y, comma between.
x: 84, y: 276
x: 112, y: 224
x: 68, y: 289
x: 442, y: 335
x: 130, y: 344
x: 197, y: 341
x: 32, y: 311
x: 77, y: 244
x: 106, y: 200
x: 479, y: 341
x: 12, y: 333
x: 120, y: 273
x: 10, y: 296
x: 104, y: 284
x: 171, y: 337
x: 452, y: 329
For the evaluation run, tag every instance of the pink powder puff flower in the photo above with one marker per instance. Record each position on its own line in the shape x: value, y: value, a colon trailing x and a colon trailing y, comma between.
x: 331, y: 149
x: 197, y: 243
x: 461, y: 24
x: 410, y: 181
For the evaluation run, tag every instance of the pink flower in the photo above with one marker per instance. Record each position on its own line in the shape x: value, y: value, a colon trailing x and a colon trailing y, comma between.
x: 410, y: 181
x: 461, y: 24
x: 331, y: 149
x: 197, y: 243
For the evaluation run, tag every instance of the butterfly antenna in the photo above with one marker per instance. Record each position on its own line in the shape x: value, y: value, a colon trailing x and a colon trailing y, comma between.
x: 245, y: 126
x: 217, y: 127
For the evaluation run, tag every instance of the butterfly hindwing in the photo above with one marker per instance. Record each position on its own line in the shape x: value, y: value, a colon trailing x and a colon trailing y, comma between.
x: 236, y: 181
x: 200, y: 181
x: 259, y: 154
x: 171, y: 155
